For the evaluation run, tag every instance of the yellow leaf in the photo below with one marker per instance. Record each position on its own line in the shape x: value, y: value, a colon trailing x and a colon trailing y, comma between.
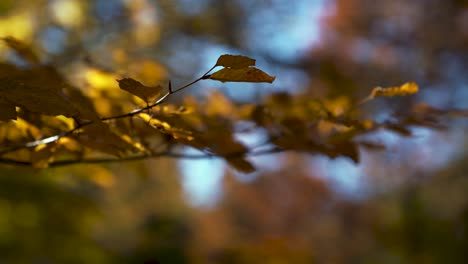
x: 405, y: 89
x: 235, y: 61
x: 27, y: 128
x: 166, y: 128
x: 69, y: 144
x: 250, y: 74
x: 218, y: 104
x: 42, y: 155
x: 147, y: 71
x: 136, y: 88
x: 100, y: 79
x: 136, y: 145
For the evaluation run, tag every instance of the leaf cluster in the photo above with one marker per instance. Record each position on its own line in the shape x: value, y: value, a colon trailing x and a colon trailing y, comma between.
x: 47, y: 121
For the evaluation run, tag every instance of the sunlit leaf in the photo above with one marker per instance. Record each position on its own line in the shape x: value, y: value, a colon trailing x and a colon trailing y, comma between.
x: 164, y: 127
x: 42, y: 155
x: 235, y: 61
x: 69, y: 144
x: 99, y: 79
x: 249, y: 74
x: 136, y: 88
x: 406, y: 89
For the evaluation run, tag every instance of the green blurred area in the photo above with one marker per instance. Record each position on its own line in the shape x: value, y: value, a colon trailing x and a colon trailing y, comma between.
x: 64, y: 216
x: 138, y: 212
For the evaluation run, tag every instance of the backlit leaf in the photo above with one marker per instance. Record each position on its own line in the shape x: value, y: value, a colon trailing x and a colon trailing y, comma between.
x: 406, y: 89
x: 100, y: 137
x: 147, y: 93
x: 42, y: 155
x: 249, y: 74
x: 164, y: 127
x: 235, y: 61
x: 82, y: 103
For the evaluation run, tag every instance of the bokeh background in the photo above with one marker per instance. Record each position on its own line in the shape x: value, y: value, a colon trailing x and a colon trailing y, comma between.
x: 407, y: 204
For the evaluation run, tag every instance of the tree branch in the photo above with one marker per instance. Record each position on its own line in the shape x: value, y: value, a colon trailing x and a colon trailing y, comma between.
x: 51, y: 139
x: 165, y: 154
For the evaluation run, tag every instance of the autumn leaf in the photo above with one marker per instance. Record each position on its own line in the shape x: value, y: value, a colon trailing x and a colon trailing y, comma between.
x: 82, y: 103
x: 100, y: 137
x: 45, y: 98
x: 22, y: 49
x: 42, y: 90
x: 406, y: 89
x: 346, y: 149
x: 249, y: 74
x: 241, y: 165
x: 235, y: 61
x: 146, y: 93
x: 166, y: 128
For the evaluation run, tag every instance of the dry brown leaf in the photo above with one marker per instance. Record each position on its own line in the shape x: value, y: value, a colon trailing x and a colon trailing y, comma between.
x: 22, y: 49
x: 249, y: 74
x: 146, y: 93
x: 241, y: 165
x: 235, y: 61
x: 100, y: 137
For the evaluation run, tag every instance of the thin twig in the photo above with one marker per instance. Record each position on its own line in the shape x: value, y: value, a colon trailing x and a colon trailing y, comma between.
x: 165, y: 154
x: 54, y: 138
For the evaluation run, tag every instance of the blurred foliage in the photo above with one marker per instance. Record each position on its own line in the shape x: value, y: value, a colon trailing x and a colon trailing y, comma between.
x: 42, y: 221
x: 412, y: 207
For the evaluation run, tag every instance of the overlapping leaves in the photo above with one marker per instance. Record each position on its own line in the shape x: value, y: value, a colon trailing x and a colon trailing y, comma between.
x: 239, y: 69
x: 55, y: 123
